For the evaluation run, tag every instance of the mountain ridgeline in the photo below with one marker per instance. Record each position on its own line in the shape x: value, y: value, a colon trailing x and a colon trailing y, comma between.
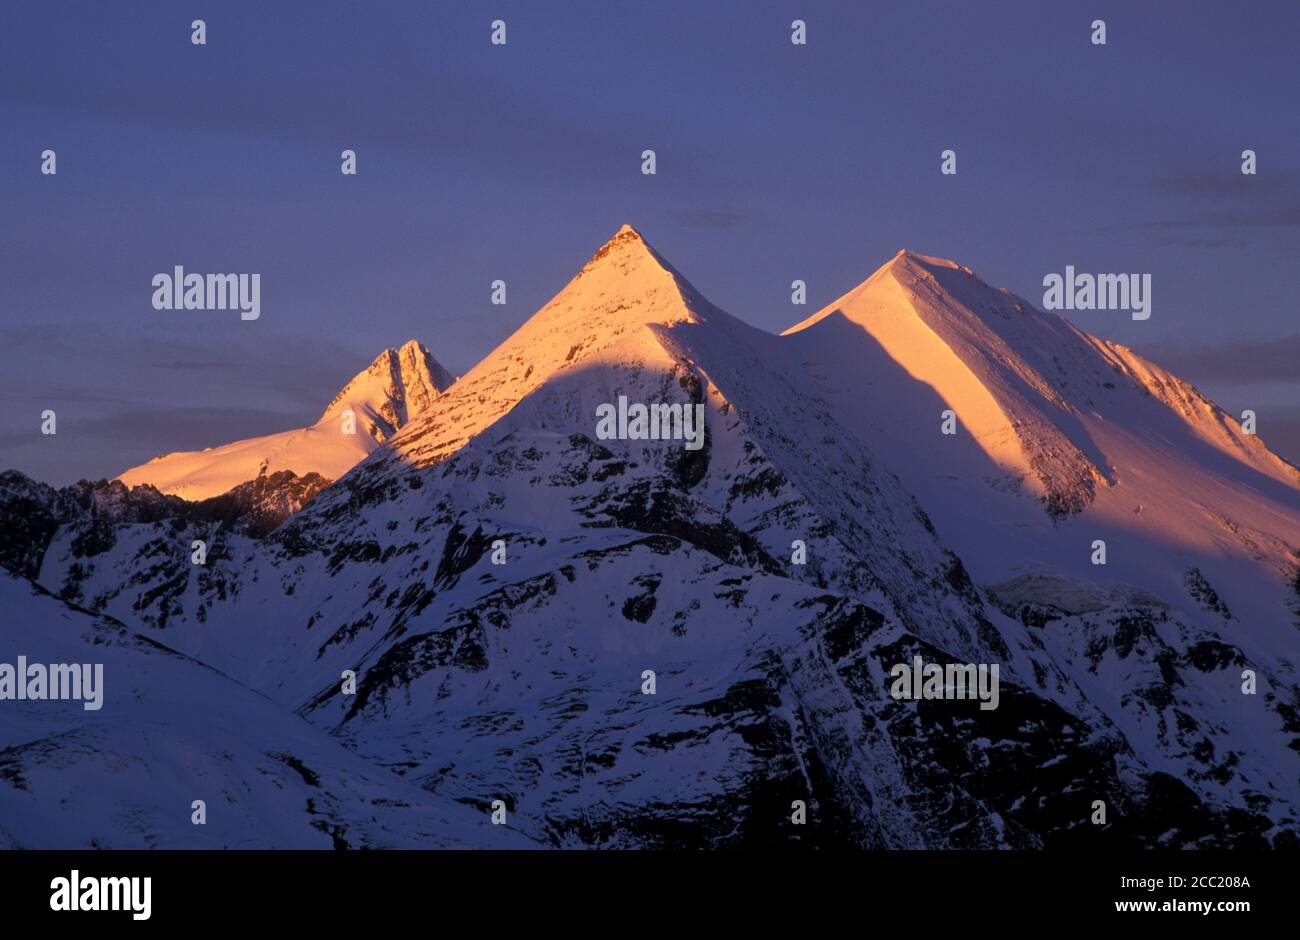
x: 558, y: 639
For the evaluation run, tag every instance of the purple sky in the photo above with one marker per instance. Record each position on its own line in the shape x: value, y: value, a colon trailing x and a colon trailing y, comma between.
x: 479, y: 162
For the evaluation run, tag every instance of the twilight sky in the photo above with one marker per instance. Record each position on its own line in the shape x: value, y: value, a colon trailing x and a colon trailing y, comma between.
x: 479, y: 162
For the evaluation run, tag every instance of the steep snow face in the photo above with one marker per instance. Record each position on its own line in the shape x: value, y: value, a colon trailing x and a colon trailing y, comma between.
x: 938, y: 344
x: 169, y: 731
x: 1050, y: 418
x: 399, y: 385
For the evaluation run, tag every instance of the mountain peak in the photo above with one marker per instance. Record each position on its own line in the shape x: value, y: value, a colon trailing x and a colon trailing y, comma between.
x: 625, y: 244
x: 614, y: 312
x: 911, y: 281
x: 398, y: 384
x: 625, y: 283
x: 908, y: 258
x: 979, y: 351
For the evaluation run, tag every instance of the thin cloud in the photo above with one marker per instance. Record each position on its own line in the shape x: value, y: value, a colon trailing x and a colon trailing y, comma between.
x: 1216, y: 207
x: 1218, y: 183
x: 1232, y: 362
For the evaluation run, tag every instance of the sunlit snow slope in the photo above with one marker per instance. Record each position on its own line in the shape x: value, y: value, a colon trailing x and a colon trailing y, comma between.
x: 397, y: 386
x: 1062, y: 439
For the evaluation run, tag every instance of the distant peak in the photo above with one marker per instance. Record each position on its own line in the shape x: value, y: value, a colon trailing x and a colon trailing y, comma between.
x: 410, y: 362
x: 399, y: 382
x: 907, y: 256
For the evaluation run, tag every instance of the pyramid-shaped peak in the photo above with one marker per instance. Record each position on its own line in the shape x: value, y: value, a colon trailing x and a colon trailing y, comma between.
x: 621, y: 299
x: 618, y: 312
x: 630, y: 281
x: 627, y: 243
x: 911, y: 283
x: 914, y: 271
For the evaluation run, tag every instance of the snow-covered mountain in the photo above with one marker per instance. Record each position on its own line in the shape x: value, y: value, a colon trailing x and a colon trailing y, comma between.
x: 171, y: 731
x: 1113, y: 446
x: 396, y: 387
x: 503, y: 582
x: 1062, y: 440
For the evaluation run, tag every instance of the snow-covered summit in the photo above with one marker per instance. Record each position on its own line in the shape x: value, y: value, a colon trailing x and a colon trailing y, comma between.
x: 615, y: 309
x: 1049, y: 416
x: 400, y: 384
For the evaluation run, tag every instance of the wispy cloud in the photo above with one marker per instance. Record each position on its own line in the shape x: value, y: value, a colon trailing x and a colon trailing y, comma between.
x: 1270, y: 216
x: 124, y: 396
x: 1247, y: 361
x: 1216, y: 208
x: 1217, y: 182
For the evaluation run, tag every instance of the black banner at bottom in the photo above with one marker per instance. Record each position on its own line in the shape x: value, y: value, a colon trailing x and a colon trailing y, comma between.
x: 338, y: 890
